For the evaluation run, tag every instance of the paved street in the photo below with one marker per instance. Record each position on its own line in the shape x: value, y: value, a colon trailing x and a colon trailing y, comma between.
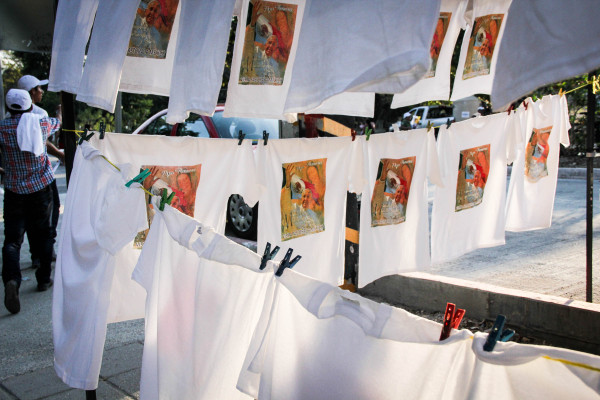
x: 550, y: 261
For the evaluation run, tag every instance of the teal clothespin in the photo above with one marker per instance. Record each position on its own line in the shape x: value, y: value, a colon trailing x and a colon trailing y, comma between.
x: 164, y: 199
x: 498, y: 333
x: 102, y: 128
x: 85, y: 136
x: 139, y: 178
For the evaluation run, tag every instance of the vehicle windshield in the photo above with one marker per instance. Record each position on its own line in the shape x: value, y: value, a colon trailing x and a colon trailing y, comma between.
x: 252, y: 127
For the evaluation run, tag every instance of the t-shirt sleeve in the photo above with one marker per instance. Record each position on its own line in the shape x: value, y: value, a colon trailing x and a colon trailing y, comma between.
x: 356, y: 174
x: 566, y: 123
x: 433, y: 165
x: 144, y: 270
x: 52, y: 125
x: 514, y: 134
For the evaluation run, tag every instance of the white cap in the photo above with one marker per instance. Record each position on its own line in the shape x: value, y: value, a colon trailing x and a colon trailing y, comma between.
x: 407, y: 114
x: 18, y: 100
x: 28, y: 82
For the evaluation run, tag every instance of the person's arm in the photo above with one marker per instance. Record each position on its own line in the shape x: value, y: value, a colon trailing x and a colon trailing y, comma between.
x: 55, y: 151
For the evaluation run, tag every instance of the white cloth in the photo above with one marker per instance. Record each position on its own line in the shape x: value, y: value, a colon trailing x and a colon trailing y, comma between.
x: 72, y: 27
x: 199, y: 58
x: 200, y: 315
x: 479, y: 51
x: 530, y: 199
x: 259, y: 83
x: 101, y: 218
x: 394, y: 223
x: 39, y: 111
x: 29, y: 134
x: 347, y: 103
x: 435, y: 85
x: 307, y: 212
x: 380, y: 47
x: 543, y: 46
x: 469, y: 211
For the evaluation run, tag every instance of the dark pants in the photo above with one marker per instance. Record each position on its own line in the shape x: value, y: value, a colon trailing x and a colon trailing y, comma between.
x: 27, y: 212
x: 53, y: 218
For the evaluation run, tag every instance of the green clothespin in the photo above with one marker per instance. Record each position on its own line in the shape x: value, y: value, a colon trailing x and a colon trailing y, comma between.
x: 164, y: 199
x: 85, y: 136
x: 102, y: 128
x: 368, y: 132
x: 139, y: 178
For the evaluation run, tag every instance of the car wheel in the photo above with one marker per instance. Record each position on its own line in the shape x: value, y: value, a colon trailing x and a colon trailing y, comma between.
x: 241, y: 218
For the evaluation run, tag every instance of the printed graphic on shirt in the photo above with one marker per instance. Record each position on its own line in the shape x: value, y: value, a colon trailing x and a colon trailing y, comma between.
x: 536, y: 154
x: 473, y: 171
x: 303, y: 198
x: 391, y: 191
x: 438, y: 40
x: 152, y: 28
x: 183, y: 181
x: 481, y: 45
x: 267, y: 43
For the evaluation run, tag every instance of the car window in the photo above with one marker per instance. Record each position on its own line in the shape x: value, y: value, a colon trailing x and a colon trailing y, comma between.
x: 159, y: 127
x: 420, y: 112
x: 252, y: 127
x: 193, y: 126
x: 440, y: 112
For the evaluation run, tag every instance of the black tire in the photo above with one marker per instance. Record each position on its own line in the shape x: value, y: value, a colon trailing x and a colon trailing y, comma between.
x: 241, y: 218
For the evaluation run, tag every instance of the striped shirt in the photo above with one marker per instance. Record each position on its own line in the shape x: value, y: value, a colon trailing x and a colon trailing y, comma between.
x: 24, y: 172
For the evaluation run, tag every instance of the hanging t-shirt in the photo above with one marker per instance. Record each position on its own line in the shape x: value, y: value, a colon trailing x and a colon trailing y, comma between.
x: 304, y: 204
x: 543, y: 46
x: 469, y: 210
x: 74, y: 19
x: 394, y: 223
x: 348, y: 103
x: 435, y: 84
x: 352, y: 46
x: 263, y: 59
x: 102, y: 216
x: 200, y: 315
x: 530, y: 198
x: 479, y: 51
x: 199, y: 58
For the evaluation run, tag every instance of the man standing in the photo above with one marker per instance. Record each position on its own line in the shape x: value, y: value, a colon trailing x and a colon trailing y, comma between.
x: 28, y: 196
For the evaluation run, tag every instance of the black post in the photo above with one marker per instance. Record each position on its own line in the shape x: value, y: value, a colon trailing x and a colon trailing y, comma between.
x: 591, y: 119
x: 68, y: 138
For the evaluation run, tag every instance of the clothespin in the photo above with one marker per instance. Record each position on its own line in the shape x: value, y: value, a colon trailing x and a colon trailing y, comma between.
x: 452, y: 318
x: 512, y: 107
x: 596, y: 84
x: 268, y: 255
x: 561, y: 92
x: 525, y: 104
x: 353, y: 133
x: 498, y: 333
x: 241, y: 137
x: 265, y: 137
x: 448, y: 123
x: 368, y: 132
x: 429, y: 125
x: 85, y: 136
x: 102, y: 128
x: 139, y: 178
x: 286, y: 263
x: 164, y: 199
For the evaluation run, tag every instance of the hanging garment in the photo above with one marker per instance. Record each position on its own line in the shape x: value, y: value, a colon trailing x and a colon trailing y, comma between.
x: 200, y: 314
x: 101, y: 219
x: 199, y: 58
x: 352, y: 46
x: 435, y: 85
x: 479, y: 51
x: 74, y: 19
x: 544, y: 46
x: 394, y: 223
x: 469, y: 210
x: 347, y: 103
x: 263, y: 59
x: 530, y: 199
x: 304, y: 203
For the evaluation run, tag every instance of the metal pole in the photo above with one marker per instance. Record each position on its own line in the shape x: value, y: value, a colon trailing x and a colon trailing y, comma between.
x: 591, y: 119
x: 119, y: 114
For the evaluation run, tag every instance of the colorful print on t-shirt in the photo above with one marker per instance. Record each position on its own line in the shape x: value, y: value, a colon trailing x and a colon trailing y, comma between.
x: 536, y: 154
x: 438, y: 40
x: 481, y: 45
x: 152, y: 28
x: 473, y: 172
x: 303, y: 198
x: 183, y: 181
x: 391, y: 191
x: 267, y: 43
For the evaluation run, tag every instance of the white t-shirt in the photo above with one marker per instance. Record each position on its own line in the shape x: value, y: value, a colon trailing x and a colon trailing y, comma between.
x: 435, y: 85
x: 347, y: 103
x: 530, y: 200
x: 304, y: 204
x: 542, y: 47
x: 74, y: 19
x: 479, y: 51
x: 469, y: 210
x: 101, y: 218
x: 351, y: 46
x: 263, y: 59
x: 394, y: 223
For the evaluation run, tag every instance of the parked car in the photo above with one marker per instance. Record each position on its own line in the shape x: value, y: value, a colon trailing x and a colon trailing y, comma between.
x: 437, y: 115
x: 241, y: 218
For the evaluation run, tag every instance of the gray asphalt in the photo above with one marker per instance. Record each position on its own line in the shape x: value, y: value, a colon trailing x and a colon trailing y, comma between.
x: 550, y: 261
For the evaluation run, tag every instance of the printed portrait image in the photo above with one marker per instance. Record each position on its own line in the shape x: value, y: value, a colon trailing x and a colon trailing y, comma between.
x: 482, y: 45
x: 152, y: 27
x: 536, y: 154
x: 303, y: 198
x: 267, y: 42
x: 473, y: 172
x: 391, y: 191
x: 183, y: 181
x: 438, y: 40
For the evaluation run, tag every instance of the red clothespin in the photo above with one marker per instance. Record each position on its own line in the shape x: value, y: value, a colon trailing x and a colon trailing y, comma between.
x: 452, y: 319
x: 353, y: 132
x: 512, y: 107
x: 525, y: 104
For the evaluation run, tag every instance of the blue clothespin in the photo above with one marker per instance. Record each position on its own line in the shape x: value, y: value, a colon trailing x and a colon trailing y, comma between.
x: 139, y: 178
x: 102, y: 128
x: 85, y: 136
x: 498, y: 333
x: 268, y: 255
x: 241, y: 137
x: 164, y: 199
x: 265, y: 137
x: 286, y: 263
